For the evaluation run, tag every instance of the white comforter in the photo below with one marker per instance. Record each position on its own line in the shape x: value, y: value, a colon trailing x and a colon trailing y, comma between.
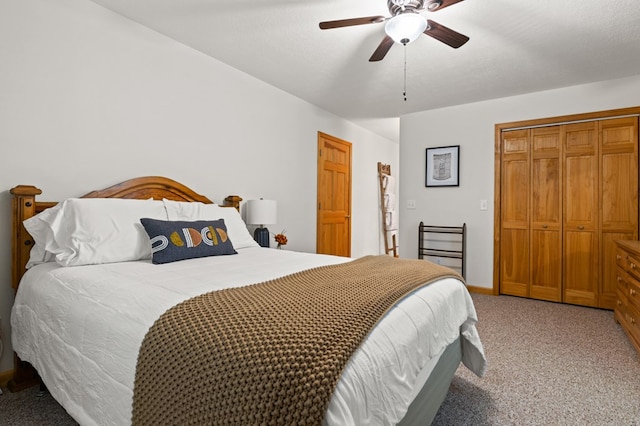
x: 81, y: 327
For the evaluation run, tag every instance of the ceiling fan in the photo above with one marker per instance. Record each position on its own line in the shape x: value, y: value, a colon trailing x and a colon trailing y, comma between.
x: 405, y: 25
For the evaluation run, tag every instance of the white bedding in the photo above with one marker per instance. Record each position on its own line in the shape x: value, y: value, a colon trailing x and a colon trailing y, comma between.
x: 81, y: 327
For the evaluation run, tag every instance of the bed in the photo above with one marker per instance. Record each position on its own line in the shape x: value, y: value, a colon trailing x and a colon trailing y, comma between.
x: 81, y: 319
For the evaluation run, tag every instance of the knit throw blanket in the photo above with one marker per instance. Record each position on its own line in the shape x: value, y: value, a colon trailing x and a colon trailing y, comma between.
x: 268, y: 353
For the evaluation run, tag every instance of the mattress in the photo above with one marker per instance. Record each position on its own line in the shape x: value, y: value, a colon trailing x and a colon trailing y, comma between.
x: 81, y: 328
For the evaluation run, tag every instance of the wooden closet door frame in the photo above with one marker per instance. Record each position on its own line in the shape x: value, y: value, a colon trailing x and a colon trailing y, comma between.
x: 499, y: 128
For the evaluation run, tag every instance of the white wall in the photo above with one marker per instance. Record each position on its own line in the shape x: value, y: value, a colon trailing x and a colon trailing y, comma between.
x: 472, y: 127
x: 89, y: 99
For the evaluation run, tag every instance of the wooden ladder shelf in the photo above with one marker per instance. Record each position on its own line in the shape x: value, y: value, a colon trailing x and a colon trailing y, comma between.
x: 387, y: 189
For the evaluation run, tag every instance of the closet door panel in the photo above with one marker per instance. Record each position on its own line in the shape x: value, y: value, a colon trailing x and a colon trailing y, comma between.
x: 619, y: 133
x: 619, y: 165
x: 515, y: 172
x: 580, y: 268
x: 580, y: 231
x: 514, y: 210
x: 619, y: 149
x: 545, y: 202
x: 581, y: 191
x: 581, y: 211
x: 619, y: 191
x: 515, y: 262
x: 515, y: 202
x: 546, y: 214
x: 546, y: 265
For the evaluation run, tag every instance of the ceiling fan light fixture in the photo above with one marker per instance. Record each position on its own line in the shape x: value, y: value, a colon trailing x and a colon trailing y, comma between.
x: 405, y: 27
x: 433, y: 5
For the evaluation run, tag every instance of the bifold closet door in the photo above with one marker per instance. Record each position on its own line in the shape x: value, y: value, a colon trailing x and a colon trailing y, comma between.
x: 567, y: 192
x: 531, y: 210
x: 619, y: 212
x: 546, y: 214
x: 601, y: 169
x: 581, y: 210
x: 514, y: 211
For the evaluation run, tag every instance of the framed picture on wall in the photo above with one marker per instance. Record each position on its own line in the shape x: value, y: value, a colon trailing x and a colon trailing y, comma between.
x: 443, y: 166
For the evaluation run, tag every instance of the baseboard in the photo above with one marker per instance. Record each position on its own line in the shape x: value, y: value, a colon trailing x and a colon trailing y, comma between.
x: 5, y: 376
x: 480, y: 290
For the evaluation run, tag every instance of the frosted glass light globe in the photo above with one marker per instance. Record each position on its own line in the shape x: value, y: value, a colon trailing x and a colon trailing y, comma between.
x: 405, y: 27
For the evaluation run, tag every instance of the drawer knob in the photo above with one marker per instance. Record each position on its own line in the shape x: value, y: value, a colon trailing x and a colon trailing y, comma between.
x: 632, y: 292
x: 619, y: 278
x: 581, y: 227
x: 632, y: 265
x: 619, y: 302
x: 618, y: 257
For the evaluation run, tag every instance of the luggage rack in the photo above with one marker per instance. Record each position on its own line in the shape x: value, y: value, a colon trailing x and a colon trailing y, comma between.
x: 442, y: 246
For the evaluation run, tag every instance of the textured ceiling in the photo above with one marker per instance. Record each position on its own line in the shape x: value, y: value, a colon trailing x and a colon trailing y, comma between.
x: 516, y: 47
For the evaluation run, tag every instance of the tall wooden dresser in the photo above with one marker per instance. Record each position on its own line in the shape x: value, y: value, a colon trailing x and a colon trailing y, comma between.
x: 627, y: 309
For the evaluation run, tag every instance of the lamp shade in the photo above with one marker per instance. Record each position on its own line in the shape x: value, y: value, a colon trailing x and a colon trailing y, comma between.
x: 405, y: 27
x: 261, y: 212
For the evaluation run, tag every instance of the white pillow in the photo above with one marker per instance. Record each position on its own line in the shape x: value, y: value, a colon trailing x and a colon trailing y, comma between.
x: 87, y: 231
x: 236, y: 228
x: 38, y: 255
x: 41, y: 228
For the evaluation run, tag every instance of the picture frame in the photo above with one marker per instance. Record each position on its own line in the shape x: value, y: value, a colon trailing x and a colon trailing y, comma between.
x: 442, y: 166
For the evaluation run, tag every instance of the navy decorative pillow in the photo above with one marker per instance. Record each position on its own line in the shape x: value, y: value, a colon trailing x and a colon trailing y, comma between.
x: 179, y: 240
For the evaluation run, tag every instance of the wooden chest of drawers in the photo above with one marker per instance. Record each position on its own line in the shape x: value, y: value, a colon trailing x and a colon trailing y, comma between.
x: 627, y: 310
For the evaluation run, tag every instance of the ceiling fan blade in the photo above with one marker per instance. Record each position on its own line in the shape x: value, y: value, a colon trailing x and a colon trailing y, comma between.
x: 382, y: 49
x: 351, y: 22
x: 445, y: 35
x: 434, y: 5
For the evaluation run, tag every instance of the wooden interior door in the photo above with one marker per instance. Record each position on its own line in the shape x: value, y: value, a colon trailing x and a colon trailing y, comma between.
x: 619, y: 166
x: 546, y: 214
x: 333, y: 234
x: 514, y: 205
x: 581, y: 212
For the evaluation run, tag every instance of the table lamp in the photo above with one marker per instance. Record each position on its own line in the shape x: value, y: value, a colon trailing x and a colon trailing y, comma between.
x: 261, y: 212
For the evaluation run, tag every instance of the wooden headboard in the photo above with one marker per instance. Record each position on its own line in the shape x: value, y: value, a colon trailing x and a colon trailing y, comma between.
x: 24, y: 206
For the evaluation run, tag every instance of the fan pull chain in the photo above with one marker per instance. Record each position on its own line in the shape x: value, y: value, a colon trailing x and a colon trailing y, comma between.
x: 404, y: 92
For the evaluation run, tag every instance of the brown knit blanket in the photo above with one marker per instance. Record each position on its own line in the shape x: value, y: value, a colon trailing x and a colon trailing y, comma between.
x: 268, y: 353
